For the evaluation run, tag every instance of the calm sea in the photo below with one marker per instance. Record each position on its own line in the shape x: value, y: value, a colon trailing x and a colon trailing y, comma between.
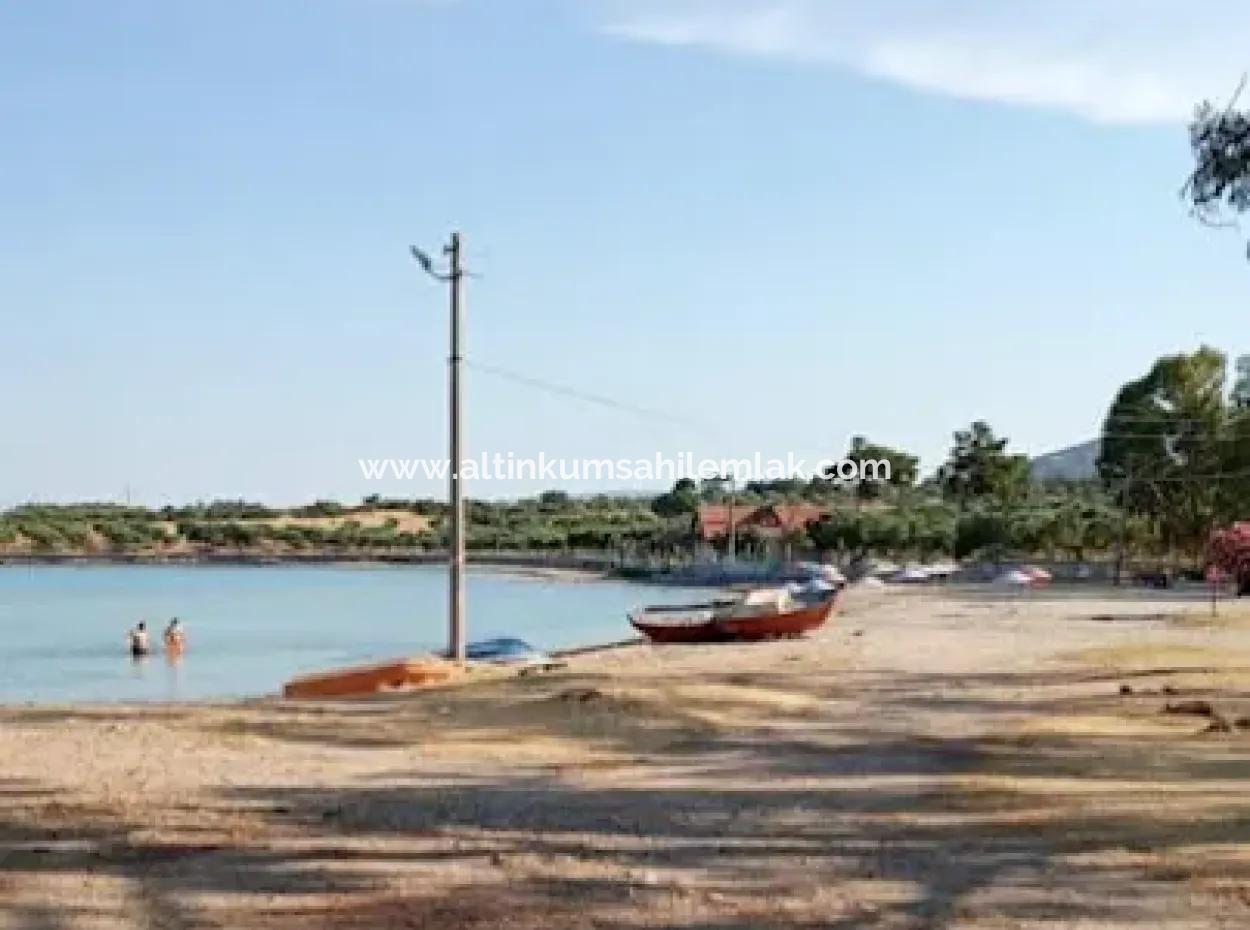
x: 63, y: 628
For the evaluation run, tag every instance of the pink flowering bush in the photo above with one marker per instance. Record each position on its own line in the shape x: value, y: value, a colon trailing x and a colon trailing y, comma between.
x: 1228, y: 550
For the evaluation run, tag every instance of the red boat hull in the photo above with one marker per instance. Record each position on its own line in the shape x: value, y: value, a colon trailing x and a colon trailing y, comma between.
x: 678, y: 633
x: 723, y: 629
x: 777, y: 626
x: 684, y: 625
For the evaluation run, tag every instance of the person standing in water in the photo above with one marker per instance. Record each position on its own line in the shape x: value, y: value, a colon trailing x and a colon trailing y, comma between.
x: 139, y: 644
x: 175, y: 640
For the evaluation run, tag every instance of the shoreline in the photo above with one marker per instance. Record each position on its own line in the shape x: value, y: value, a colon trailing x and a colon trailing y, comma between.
x: 200, y: 557
x: 1016, y: 754
x: 573, y: 570
x: 569, y: 569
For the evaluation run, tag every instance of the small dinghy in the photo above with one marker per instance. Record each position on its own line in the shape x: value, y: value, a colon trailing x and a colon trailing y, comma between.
x: 362, y: 680
x: 505, y: 651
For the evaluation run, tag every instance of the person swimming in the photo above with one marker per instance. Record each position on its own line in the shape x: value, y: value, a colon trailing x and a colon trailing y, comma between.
x: 174, y: 638
x: 139, y: 644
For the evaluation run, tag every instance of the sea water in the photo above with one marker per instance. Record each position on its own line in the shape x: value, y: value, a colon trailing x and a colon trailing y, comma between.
x: 63, y: 628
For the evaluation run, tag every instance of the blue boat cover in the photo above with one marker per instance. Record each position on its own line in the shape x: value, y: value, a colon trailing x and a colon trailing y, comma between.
x: 502, y: 648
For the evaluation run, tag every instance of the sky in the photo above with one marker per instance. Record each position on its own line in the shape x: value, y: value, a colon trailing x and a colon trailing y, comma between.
x: 768, y: 225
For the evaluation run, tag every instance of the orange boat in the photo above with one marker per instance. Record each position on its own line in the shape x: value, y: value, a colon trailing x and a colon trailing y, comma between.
x: 761, y: 615
x: 362, y: 680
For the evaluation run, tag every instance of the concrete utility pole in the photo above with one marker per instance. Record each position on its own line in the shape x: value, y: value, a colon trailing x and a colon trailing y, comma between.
x: 455, y: 550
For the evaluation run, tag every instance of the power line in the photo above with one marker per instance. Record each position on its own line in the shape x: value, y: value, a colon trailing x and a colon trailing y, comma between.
x: 1214, y: 476
x: 574, y: 393
x: 1160, y: 418
x: 564, y: 390
x: 1211, y: 476
x: 1179, y: 434
x: 1175, y: 436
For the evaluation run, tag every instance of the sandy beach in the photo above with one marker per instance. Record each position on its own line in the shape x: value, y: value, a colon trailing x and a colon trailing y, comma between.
x: 933, y: 759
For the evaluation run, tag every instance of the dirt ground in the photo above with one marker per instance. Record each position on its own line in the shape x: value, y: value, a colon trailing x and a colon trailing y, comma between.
x: 954, y: 759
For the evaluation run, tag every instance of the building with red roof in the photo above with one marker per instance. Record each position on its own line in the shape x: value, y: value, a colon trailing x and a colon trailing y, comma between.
x: 770, y: 521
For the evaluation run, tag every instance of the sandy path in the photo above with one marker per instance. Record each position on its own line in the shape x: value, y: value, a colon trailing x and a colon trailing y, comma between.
x: 933, y: 760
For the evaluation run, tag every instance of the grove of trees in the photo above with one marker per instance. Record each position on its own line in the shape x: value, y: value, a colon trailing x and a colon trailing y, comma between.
x: 1174, y: 465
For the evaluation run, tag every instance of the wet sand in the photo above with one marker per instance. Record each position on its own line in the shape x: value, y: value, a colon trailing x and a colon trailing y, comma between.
x: 956, y: 759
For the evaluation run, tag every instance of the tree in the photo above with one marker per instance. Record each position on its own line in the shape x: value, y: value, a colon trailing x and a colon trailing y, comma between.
x: 1032, y: 532
x: 716, y: 488
x: 317, y: 509
x: 904, y: 468
x: 1240, y: 396
x: 1075, y: 528
x: 1219, y: 186
x: 980, y: 532
x: 841, y: 532
x: 782, y: 488
x: 554, y: 500
x: 883, y: 533
x: 979, y: 466
x: 683, y: 499
x: 931, y: 529
x: 1161, y: 451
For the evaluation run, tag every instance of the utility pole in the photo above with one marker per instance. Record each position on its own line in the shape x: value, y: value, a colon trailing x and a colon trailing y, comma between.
x: 455, y: 549
x: 455, y: 558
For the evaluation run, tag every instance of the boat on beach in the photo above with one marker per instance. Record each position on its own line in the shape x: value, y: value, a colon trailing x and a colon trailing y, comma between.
x: 680, y: 623
x: 763, y: 614
x: 505, y: 650
x: 362, y: 680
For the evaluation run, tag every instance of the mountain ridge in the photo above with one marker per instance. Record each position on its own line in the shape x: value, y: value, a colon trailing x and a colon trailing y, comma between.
x: 1073, y: 463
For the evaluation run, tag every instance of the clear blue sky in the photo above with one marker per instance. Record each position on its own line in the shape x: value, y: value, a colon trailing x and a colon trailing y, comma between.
x: 789, y: 220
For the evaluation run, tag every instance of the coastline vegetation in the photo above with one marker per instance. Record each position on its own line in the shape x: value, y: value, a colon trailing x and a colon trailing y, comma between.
x: 1174, y: 464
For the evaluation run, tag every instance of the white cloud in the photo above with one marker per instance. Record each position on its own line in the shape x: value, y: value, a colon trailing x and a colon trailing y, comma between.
x: 1119, y: 61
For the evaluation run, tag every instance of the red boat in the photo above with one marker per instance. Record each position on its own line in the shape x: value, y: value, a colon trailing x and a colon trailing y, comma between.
x: 721, y: 621
x: 689, y: 623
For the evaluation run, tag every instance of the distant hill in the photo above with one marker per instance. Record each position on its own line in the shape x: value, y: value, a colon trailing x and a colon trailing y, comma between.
x: 1075, y: 463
